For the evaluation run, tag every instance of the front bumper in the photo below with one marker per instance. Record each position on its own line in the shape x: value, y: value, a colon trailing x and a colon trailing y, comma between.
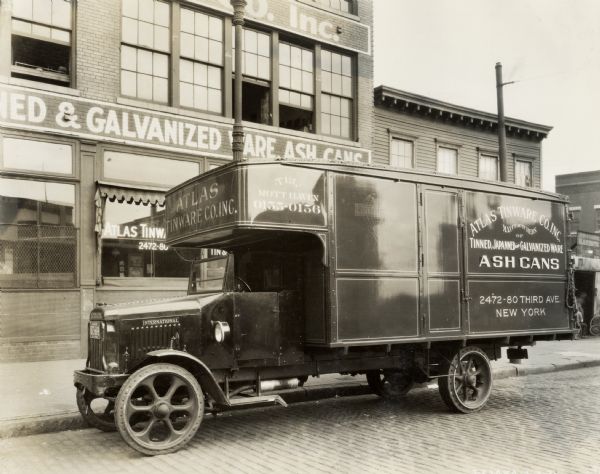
x: 97, y: 383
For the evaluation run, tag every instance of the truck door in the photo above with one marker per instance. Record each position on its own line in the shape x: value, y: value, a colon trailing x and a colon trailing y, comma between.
x: 442, y: 262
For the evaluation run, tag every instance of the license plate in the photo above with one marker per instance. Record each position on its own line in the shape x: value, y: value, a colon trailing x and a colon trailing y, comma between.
x: 95, y: 330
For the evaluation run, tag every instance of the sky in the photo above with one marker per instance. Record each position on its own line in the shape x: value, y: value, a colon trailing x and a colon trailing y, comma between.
x: 447, y: 50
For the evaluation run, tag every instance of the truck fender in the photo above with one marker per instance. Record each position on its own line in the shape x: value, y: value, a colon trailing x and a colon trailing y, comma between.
x: 198, y: 368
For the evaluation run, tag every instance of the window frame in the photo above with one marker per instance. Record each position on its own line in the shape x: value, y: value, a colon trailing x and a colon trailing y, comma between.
x: 524, y: 159
x: 451, y: 146
x: 406, y: 138
x: 572, y: 210
x: 353, y: 92
x: 488, y: 154
x: 33, y: 75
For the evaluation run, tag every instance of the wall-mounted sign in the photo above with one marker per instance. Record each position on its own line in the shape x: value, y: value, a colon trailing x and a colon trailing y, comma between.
x: 24, y: 109
x: 305, y: 20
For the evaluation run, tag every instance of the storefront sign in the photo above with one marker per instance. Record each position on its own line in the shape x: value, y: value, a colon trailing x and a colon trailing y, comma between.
x: 41, y: 111
x: 305, y: 20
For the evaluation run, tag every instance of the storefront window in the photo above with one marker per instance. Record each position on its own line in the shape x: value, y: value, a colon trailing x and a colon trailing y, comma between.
x: 133, y: 244
x: 38, y: 241
x: 147, y: 169
x: 34, y: 155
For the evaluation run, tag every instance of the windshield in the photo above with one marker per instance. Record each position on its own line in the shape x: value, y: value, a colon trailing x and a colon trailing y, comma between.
x: 207, y: 273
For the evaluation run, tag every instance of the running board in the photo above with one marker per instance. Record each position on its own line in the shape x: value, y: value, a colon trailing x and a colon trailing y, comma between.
x: 245, y: 402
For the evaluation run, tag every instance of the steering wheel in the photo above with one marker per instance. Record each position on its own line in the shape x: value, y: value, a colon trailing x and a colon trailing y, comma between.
x: 242, y: 285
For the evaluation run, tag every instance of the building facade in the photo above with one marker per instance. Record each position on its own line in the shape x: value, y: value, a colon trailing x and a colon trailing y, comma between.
x: 106, y: 104
x: 412, y: 131
x: 583, y: 190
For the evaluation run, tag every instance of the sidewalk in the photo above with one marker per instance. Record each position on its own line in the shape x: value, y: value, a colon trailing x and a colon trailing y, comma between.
x: 39, y: 397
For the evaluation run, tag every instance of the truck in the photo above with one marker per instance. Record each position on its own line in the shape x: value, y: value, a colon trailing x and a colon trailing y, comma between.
x: 313, y: 268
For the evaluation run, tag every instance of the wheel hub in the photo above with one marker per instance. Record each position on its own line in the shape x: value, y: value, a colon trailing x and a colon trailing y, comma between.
x: 162, y: 410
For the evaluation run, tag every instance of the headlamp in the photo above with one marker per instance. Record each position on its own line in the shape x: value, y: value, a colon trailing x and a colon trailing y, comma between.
x: 220, y: 331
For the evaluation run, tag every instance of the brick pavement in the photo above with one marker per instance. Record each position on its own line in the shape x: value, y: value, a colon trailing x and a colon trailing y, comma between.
x: 540, y: 423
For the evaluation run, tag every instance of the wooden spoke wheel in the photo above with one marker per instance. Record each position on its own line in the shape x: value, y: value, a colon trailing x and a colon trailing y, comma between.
x: 159, y: 409
x: 465, y: 382
x: 390, y: 384
x: 96, y: 411
x: 595, y: 326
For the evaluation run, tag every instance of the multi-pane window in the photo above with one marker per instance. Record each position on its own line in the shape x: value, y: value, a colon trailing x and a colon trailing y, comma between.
x: 201, y: 63
x: 401, y: 153
x: 341, y: 5
x: 447, y: 160
x: 145, y: 50
x: 523, y: 173
x: 488, y: 167
x: 336, y: 86
x: 296, y: 86
x: 256, y: 77
x: 575, y: 220
x: 41, y: 40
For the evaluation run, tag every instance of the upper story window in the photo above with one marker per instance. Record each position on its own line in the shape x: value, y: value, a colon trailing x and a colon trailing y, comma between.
x: 575, y: 220
x: 145, y: 49
x: 296, y: 87
x: 336, y: 86
x: 201, y: 63
x: 524, y: 173
x: 256, y: 76
x: 341, y: 5
x: 401, y: 153
x: 447, y: 160
x: 42, y: 40
x: 488, y: 167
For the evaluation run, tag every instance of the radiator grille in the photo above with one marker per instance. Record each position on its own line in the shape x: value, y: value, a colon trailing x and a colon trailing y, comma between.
x: 96, y: 351
x: 150, y: 338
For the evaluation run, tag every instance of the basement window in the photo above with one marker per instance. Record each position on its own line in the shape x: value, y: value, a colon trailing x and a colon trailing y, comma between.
x: 42, y: 41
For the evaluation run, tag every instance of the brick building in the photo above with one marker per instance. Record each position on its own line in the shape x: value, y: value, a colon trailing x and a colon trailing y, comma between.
x: 412, y: 131
x: 105, y: 104
x: 583, y: 190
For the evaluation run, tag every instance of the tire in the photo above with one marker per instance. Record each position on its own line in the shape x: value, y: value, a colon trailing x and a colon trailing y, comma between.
x: 390, y: 384
x: 104, y: 420
x: 465, y: 382
x: 151, y: 404
x: 595, y: 326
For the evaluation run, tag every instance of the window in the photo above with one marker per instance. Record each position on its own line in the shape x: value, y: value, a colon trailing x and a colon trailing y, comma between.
x: 37, y: 156
x: 447, y: 160
x: 147, y: 169
x: 145, y: 50
x: 201, y: 63
x: 42, y: 40
x: 401, y: 153
x: 336, y: 85
x: 38, y: 240
x: 488, y: 167
x: 523, y: 173
x: 256, y: 67
x: 296, y: 87
x: 341, y: 5
x: 597, y: 211
x: 575, y: 220
x: 133, y: 243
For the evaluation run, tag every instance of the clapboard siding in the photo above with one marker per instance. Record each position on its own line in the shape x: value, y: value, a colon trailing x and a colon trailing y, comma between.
x: 427, y: 133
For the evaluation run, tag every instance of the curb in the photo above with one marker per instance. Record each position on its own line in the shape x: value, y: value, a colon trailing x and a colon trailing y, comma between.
x: 73, y: 421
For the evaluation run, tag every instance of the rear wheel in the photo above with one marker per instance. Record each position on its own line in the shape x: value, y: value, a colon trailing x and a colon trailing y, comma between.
x: 159, y: 409
x: 391, y: 384
x: 96, y: 411
x: 465, y: 382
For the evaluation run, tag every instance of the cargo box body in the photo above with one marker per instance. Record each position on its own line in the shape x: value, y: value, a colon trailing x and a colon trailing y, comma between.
x: 405, y: 256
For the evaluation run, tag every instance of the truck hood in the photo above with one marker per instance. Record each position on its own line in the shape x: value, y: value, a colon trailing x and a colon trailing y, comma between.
x: 191, y: 304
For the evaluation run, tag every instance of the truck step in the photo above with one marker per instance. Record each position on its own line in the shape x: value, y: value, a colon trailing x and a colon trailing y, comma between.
x: 263, y: 400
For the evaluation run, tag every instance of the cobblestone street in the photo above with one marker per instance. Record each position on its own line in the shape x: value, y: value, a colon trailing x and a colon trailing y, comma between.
x: 541, y: 423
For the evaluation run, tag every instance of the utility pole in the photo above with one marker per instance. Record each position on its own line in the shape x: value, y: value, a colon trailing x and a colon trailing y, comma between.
x: 237, y: 145
x: 501, y: 126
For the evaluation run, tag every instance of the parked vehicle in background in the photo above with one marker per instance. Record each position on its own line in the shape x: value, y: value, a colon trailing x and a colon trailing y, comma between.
x: 400, y: 275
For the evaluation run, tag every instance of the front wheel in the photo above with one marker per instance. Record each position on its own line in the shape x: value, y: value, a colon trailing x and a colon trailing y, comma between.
x: 465, y: 382
x: 96, y: 411
x: 159, y: 409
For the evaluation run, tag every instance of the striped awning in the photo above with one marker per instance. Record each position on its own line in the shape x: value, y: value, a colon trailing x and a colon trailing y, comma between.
x: 129, y: 195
